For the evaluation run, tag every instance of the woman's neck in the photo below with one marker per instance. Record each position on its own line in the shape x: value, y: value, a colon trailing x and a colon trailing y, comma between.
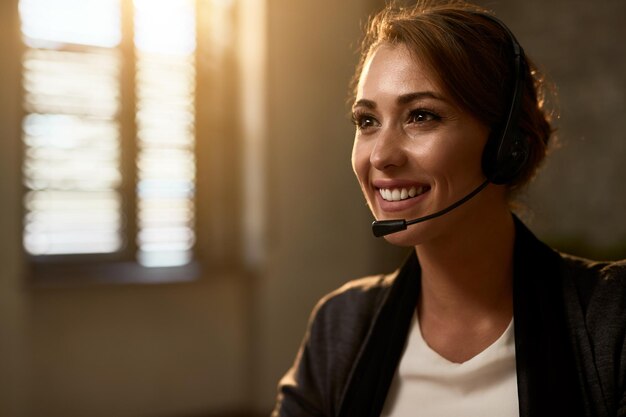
x: 467, y: 281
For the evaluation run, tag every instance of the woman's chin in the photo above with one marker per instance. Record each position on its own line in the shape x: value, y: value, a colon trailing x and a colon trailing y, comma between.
x: 406, y: 238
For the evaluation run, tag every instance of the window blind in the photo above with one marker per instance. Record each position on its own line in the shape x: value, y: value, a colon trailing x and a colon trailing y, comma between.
x: 71, y: 135
x: 165, y: 48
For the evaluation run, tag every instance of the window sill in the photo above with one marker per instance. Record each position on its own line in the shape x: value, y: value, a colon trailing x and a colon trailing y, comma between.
x: 50, y: 275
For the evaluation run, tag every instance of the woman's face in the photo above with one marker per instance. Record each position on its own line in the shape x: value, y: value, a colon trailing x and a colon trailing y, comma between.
x: 415, y: 152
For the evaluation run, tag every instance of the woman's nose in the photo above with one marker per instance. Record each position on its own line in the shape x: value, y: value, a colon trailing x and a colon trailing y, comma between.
x: 388, y: 151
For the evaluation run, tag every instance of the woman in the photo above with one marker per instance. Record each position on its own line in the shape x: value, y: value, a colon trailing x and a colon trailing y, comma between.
x: 482, y: 319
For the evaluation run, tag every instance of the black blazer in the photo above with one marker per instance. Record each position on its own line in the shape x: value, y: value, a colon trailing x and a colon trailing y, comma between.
x: 570, y: 331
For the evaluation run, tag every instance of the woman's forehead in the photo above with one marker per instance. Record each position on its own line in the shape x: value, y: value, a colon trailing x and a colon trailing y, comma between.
x: 391, y: 70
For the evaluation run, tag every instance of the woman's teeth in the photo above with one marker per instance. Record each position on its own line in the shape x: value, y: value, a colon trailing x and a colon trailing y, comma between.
x: 397, y: 194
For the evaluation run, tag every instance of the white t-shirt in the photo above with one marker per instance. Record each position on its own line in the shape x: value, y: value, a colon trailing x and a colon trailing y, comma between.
x: 428, y: 385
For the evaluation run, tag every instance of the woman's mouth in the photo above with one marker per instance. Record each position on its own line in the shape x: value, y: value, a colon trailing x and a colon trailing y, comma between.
x: 399, y: 194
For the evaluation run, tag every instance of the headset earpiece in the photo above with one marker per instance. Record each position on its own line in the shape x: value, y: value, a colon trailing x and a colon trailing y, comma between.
x: 503, y: 168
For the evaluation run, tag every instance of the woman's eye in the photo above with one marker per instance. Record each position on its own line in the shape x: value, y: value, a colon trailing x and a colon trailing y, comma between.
x: 364, y: 121
x: 422, y: 116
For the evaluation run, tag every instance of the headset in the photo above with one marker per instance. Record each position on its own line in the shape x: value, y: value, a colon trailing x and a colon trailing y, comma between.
x: 507, y: 149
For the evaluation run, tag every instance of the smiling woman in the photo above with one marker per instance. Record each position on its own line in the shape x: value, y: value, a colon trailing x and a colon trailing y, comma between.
x: 483, y: 318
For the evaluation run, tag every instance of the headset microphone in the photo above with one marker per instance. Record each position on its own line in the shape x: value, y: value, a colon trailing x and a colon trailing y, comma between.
x: 505, y: 153
x: 386, y: 227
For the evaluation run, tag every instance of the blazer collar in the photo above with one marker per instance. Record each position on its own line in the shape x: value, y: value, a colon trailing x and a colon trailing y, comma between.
x: 547, y: 380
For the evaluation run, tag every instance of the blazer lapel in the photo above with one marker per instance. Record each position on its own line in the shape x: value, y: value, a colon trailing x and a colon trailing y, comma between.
x: 372, y: 375
x: 546, y: 368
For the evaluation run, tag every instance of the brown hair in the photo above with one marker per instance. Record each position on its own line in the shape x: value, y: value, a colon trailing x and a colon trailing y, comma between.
x: 470, y: 57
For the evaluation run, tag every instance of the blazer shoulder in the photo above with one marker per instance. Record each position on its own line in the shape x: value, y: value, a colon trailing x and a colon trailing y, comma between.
x: 337, y: 328
x: 615, y: 271
x: 595, y: 272
x: 618, y: 266
x: 359, y: 297
x: 601, y: 292
x: 601, y: 285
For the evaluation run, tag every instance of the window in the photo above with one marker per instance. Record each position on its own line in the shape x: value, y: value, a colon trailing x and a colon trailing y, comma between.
x: 111, y: 130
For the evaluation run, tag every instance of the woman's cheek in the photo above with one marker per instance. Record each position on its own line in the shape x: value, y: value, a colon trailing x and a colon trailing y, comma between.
x: 360, y: 160
x: 361, y: 168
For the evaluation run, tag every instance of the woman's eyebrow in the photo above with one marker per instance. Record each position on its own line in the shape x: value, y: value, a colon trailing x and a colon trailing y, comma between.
x: 409, y: 97
x: 364, y: 103
x: 401, y: 100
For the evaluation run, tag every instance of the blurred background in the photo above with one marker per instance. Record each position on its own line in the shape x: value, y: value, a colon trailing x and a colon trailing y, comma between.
x: 176, y: 192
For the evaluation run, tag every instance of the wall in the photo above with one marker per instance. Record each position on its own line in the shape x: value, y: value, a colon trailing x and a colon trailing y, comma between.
x: 165, y: 350
x: 13, y: 304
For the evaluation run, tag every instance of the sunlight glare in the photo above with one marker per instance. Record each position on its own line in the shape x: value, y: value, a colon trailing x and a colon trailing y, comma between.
x: 82, y: 22
x: 165, y: 26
